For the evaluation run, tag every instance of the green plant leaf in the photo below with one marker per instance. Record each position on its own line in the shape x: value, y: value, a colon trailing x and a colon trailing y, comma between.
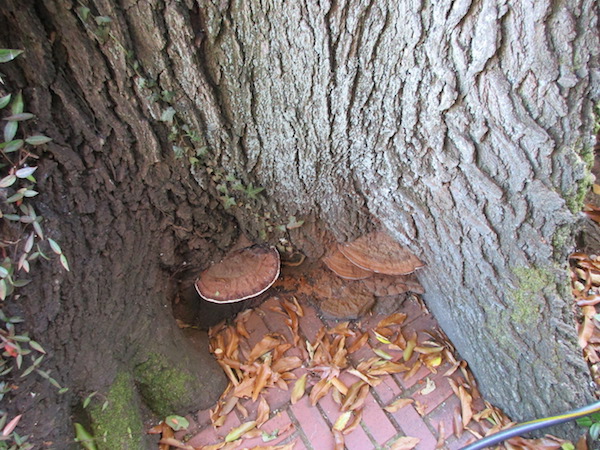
x: 84, y: 437
x: 25, y: 172
x: 595, y: 431
x: 177, y: 422
x: 102, y: 20
x: 17, y: 104
x: 7, y: 181
x: 38, y: 140
x: 167, y: 115
x: 12, y: 146
x: 37, y: 347
x: 64, y: 262
x: 20, y: 117
x: 88, y: 399
x: 7, y: 55
x: 54, y: 246
x: 4, y: 101
x: 10, y: 130
x: 83, y: 12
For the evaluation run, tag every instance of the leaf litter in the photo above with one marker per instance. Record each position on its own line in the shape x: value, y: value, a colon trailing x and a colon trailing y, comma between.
x: 395, y: 348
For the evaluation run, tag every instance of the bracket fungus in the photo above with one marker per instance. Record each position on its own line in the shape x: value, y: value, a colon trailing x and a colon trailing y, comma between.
x: 343, y: 267
x: 379, y: 253
x: 242, y: 274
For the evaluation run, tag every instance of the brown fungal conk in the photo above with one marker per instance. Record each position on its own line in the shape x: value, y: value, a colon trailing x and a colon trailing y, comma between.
x: 242, y: 274
x: 379, y: 253
x: 343, y: 267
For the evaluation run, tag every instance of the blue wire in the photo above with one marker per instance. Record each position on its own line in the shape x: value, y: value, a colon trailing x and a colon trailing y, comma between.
x: 526, y: 427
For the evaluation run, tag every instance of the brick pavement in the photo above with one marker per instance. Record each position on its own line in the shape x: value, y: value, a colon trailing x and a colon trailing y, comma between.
x: 309, y: 427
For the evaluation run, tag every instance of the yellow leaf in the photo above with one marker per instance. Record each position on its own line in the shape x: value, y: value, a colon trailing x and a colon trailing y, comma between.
x: 238, y: 432
x: 381, y: 338
x: 410, y: 346
x: 342, y: 421
x: 382, y: 354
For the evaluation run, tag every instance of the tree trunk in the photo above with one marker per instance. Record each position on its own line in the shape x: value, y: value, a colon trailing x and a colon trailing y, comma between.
x: 460, y: 127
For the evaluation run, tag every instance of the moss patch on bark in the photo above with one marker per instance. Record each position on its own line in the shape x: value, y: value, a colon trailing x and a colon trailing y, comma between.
x: 166, y: 387
x: 118, y: 425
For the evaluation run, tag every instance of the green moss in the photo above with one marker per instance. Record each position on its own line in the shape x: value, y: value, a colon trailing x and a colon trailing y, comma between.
x: 165, y: 388
x: 118, y: 425
x: 576, y: 197
x: 526, y: 298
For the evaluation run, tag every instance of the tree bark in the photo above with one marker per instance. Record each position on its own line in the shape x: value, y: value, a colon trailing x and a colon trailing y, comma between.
x: 457, y: 126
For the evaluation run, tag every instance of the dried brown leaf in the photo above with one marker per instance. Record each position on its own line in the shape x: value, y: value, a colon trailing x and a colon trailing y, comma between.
x: 262, y: 377
x: 359, y: 343
x: 262, y: 412
x: 405, y: 443
x: 266, y: 344
x: 465, y: 405
x: 286, y: 364
x: 394, y: 319
x: 172, y: 442
x: 319, y: 391
x: 299, y: 388
x: 338, y: 438
x: 339, y: 385
x: 398, y: 404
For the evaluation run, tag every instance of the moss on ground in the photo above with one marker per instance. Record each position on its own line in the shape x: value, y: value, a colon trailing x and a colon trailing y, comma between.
x: 118, y: 425
x: 165, y: 388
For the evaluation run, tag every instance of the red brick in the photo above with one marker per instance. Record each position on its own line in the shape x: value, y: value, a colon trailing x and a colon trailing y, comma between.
x: 413, y: 425
x: 310, y: 324
x: 377, y: 423
x: 256, y: 328
x: 387, y: 390
x: 358, y: 440
x: 441, y: 392
x: 313, y: 425
x: 444, y: 414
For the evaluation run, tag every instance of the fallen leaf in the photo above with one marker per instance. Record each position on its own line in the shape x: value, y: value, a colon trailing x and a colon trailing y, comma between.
x: 299, y: 388
x: 319, y: 391
x: 266, y: 344
x: 238, y: 432
x: 382, y: 354
x: 394, y: 319
x: 342, y: 421
x: 429, y: 387
x: 262, y: 412
x: 338, y: 438
x: 286, y: 364
x: 405, y: 443
x: 465, y: 405
x: 341, y: 387
x: 398, y: 404
x: 354, y: 423
x: 262, y: 377
x: 410, y: 346
x: 175, y: 443
x: 359, y: 343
